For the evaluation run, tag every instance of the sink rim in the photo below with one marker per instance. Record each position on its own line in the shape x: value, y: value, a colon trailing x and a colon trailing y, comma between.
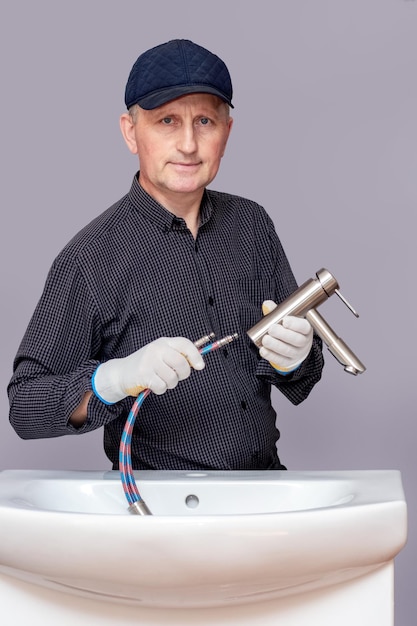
x: 291, y: 552
x: 354, y: 488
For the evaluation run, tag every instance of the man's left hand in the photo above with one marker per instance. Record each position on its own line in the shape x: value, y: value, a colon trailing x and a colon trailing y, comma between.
x: 287, y: 343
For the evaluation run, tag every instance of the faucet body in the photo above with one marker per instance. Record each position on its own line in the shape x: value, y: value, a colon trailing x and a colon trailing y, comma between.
x: 303, y: 303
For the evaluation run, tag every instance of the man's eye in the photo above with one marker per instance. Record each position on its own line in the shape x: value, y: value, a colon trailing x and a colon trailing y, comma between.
x: 204, y: 121
x: 167, y: 120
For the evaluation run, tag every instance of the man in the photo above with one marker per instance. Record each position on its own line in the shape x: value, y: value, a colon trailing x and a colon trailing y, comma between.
x: 170, y: 262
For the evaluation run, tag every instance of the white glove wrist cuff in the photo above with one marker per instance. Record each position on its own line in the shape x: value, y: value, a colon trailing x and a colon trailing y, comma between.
x: 287, y: 370
x: 103, y: 386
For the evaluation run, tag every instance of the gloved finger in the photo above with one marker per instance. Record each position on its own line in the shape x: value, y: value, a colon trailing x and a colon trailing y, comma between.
x: 273, y: 348
x: 177, y: 363
x: 188, y: 350
x: 165, y: 373
x: 298, y: 324
x: 157, y: 385
x: 286, y: 336
x: 276, y: 358
x: 268, y: 306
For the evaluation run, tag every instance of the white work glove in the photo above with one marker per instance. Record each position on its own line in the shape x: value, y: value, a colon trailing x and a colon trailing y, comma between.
x: 158, y: 366
x: 288, y: 343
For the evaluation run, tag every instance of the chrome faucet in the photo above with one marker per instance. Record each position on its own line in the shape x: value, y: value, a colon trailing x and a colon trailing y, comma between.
x: 303, y: 303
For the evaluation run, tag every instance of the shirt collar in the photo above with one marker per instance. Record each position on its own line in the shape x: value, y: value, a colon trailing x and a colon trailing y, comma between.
x: 158, y: 214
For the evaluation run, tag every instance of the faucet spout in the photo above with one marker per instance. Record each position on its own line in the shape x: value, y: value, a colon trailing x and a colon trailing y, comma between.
x: 335, y: 344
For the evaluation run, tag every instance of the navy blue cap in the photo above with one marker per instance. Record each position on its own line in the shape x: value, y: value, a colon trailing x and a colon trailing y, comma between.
x: 174, y: 69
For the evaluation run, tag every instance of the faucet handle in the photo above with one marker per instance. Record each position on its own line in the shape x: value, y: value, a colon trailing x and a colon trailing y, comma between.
x: 349, y: 306
x: 330, y: 286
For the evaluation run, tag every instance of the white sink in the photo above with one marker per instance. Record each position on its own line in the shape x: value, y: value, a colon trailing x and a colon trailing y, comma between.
x: 213, y: 539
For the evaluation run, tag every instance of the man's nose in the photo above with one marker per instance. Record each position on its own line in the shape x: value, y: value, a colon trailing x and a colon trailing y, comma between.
x: 187, y: 141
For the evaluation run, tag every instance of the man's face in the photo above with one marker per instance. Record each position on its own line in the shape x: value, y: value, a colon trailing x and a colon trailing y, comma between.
x: 179, y: 145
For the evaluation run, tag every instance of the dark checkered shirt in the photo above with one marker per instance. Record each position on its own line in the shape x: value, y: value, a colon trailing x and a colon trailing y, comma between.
x: 134, y: 274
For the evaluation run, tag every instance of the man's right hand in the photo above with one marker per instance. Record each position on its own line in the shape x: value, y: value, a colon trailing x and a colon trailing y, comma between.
x: 158, y: 366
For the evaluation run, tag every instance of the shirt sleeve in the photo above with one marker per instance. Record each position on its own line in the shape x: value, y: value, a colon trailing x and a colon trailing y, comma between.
x: 56, y: 359
x: 296, y: 386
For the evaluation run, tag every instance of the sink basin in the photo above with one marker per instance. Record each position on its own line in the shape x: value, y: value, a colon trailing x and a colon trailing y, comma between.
x: 213, y: 539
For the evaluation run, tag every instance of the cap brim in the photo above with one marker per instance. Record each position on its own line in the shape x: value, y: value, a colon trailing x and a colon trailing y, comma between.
x: 162, y: 96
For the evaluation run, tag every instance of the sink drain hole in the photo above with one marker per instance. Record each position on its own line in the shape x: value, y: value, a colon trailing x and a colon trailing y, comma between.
x: 192, y: 501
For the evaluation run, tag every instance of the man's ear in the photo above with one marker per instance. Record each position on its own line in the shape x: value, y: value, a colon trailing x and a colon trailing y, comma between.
x: 229, y: 128
x: 127, y: 127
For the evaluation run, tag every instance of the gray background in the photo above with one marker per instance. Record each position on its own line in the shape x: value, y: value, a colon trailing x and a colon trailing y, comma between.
x: 325, y: 137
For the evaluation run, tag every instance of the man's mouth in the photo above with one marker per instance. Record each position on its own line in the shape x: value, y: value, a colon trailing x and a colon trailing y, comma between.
x: 184, y: 165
